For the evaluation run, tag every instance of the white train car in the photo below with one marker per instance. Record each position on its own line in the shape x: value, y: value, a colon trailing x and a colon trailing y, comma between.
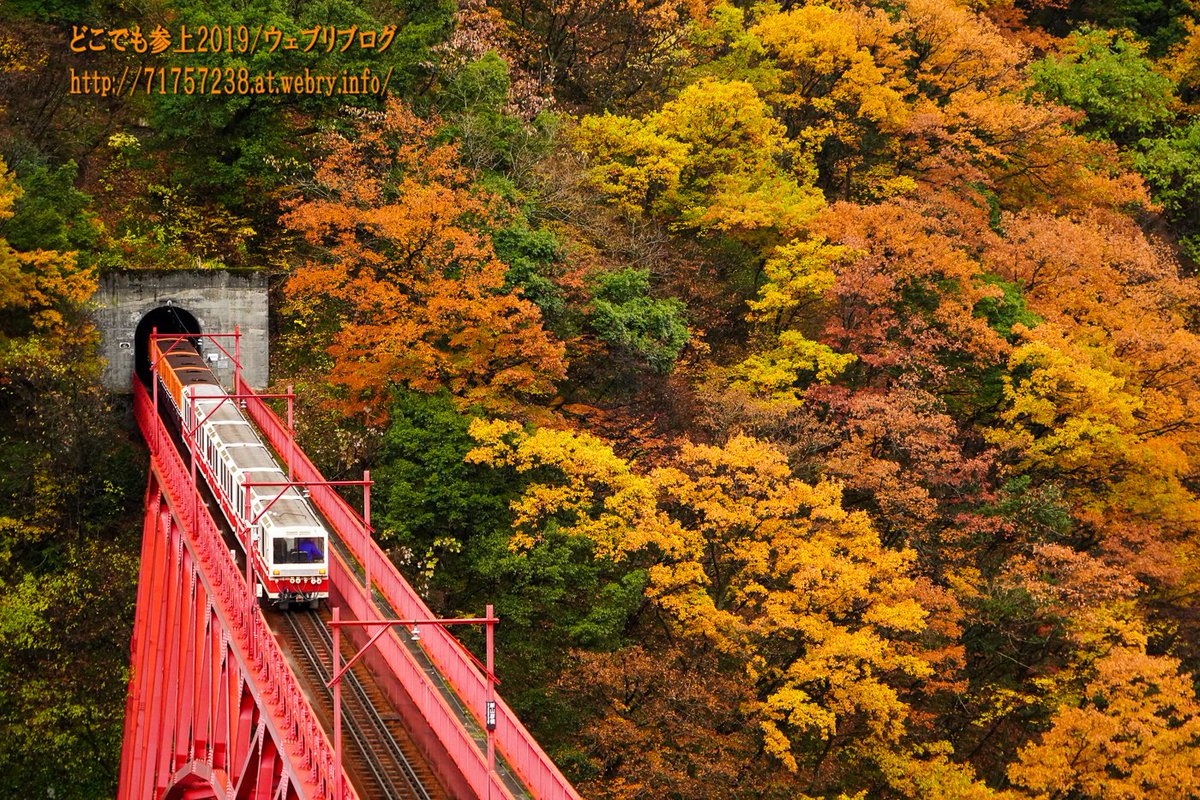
x: 289, y: 543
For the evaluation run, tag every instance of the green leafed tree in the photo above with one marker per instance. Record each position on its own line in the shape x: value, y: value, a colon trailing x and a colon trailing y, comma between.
x: 628, y: 319
x: 1107, y: 76
x: 448, y: 522
x: 1171, y: 165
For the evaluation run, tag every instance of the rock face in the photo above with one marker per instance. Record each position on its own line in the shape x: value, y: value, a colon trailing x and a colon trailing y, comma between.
x: 129, y: 305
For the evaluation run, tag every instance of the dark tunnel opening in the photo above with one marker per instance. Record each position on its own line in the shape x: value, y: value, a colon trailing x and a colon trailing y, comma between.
x: 167, y: 319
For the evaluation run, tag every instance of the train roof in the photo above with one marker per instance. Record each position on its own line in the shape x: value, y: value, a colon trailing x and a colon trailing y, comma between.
x: 236, y: 433
x: 286, y: 514
x: 246, y: 454
x: 184, y: 358
x: 290, y: 510
x: 189, y: 367
x: 206, y: 391
x: 214, y: 406
x: 256, y: 459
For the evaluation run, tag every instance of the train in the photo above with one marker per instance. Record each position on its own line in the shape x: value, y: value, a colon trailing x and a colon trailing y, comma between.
x: 288, y: 549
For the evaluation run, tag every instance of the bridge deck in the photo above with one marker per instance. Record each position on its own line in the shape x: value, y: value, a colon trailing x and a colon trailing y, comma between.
x: 416, y: 709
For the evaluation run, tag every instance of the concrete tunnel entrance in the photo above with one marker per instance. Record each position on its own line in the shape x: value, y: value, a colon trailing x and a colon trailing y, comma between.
x: 167, y: 319
x: 130, y: 303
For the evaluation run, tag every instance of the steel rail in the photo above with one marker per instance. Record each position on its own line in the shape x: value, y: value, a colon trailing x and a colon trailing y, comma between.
x: 394, y: 746
x: 354, y: 725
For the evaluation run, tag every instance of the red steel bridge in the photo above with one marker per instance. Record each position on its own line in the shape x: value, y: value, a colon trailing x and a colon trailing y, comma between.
x: 229, y: 700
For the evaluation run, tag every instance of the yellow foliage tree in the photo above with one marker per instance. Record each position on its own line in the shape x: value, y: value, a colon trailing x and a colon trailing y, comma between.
x: 1066, y: 411
x: 838, y: 69
x: 797, y: 276
x: 771, y: 570
x: 837, y: 75
x: 597, y: 494
x: 713, y: 160
x: 774, y: 569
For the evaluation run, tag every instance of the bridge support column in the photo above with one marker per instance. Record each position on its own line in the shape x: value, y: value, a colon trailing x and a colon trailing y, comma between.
x: 193, y: 727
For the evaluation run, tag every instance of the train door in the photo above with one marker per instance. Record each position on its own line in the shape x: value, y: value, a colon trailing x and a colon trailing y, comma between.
x: 260, y: 541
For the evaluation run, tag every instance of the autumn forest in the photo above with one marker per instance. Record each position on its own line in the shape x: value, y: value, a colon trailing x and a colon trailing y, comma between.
x: 813, y: 387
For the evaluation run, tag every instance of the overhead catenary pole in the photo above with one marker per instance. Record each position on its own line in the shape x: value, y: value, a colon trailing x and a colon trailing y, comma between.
x: 337, y: 707
x: 250, y: 593
x: 155, y: 447
x: 489, y: 708
x: 237, y: 358
x: 367, y: 553
x: 190, y: 440
x: 340, y: 669
x: 291, y: 456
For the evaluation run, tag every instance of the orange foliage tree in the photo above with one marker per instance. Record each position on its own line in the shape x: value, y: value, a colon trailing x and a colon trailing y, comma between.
x: 1103, y: 396
x: 401, y: 284
x: 1134, y: 732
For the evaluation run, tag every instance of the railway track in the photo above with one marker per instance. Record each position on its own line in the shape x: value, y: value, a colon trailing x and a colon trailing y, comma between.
x: 379, y: 754
x: 377, y: 749
x: 453, y: 701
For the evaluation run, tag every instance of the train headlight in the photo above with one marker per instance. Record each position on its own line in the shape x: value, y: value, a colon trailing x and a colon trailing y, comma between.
x: 320, y: 572
x: 274, y: 572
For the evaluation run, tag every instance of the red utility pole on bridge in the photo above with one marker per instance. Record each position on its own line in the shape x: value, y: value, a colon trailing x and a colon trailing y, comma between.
x: 489, y: 712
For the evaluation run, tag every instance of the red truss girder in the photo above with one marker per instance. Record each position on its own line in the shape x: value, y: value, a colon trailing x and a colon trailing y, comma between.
x: 194, y: 727
x: 213, y: 710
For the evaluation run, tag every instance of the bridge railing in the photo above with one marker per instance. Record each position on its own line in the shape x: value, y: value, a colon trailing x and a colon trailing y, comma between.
x: 536, y: 770
x: 279, y: 692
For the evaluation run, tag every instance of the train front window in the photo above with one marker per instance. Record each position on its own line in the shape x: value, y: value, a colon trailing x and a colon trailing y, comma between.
x: 299, y: 550
x: 311, y: 546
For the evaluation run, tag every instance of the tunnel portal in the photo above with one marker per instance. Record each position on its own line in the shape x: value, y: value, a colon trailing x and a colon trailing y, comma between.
x: 131, y: 303
x: 164, y: 319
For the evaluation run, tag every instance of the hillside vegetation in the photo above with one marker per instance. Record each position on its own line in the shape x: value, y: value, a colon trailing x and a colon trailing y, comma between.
x: 813, y: 387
